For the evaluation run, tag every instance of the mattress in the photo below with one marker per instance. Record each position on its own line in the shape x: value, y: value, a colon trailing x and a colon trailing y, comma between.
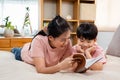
x: 11, y: 69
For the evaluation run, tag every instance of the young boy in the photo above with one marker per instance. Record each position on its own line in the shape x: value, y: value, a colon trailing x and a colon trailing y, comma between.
x: 86, y: 45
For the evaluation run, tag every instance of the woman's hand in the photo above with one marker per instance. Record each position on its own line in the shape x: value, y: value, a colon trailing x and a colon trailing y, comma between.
x: 74, y: 66
x: 71, y: 69
x: 66, y: 63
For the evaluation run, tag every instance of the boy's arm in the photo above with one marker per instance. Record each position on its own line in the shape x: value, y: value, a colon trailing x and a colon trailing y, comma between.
x: 95, y: 51
x: 89, y: 51
x: 97, y: 66
x: 79, y: 49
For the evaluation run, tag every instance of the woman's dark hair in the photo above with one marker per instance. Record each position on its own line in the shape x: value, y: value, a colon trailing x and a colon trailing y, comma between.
x: 56, y: 27
x: 87, y: 30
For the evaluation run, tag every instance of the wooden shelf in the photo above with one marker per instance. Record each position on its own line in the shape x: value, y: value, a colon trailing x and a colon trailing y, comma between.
x: 90, y: 21
x: 8, y: 43
x: 47, y: 20
x: 73, y: 33
x: 73, y: 8
x: 70, y: 0
x: 87, y: 1
x: 72, y: 20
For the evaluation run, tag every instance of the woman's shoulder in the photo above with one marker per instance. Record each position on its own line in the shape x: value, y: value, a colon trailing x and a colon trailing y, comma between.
x: 40, y: 38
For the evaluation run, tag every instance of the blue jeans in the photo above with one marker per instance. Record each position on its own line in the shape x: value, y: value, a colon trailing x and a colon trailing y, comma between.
x: 17, y: 53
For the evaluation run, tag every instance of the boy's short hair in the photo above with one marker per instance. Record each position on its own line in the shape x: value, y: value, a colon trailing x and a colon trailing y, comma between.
x: 88, y: 31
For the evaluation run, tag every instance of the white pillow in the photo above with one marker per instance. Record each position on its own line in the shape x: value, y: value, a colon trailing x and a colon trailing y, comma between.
x: 114, y: 46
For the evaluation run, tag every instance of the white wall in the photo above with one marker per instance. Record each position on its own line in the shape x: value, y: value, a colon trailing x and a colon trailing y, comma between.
x: 107, y: 14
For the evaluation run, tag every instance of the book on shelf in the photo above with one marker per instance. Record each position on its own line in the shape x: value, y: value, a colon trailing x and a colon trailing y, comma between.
x: 83, y: 63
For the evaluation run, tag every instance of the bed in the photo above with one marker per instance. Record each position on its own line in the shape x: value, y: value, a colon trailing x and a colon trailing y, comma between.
x: 11, y: 69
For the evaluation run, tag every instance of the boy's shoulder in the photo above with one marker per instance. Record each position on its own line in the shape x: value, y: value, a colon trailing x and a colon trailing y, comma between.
x: 74, y: 46
x: 98, y: 46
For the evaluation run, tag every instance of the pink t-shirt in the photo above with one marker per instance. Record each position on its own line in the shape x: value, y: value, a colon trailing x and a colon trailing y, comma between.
x: 40, y: 48
x: 98, y: 52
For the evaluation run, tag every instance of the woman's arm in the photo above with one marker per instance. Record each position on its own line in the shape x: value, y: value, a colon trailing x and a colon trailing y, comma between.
x: 41, y: 67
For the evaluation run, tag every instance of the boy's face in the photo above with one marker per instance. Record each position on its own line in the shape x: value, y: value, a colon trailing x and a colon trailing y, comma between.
x: 84, y: 43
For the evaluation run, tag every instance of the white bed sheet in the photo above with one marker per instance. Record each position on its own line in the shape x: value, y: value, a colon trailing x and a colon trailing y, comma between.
x: 11, y: 69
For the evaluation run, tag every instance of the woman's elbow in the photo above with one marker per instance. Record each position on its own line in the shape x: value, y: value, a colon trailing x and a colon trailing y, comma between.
x: 44, y: 71
x: 40, y: 71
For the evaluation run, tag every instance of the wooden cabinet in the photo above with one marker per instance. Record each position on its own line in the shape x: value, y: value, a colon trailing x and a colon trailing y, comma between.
x: 67, y: 8
x: 8, y: 43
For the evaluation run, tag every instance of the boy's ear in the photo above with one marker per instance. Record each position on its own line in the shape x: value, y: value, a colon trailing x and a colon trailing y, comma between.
x: 95, y: 39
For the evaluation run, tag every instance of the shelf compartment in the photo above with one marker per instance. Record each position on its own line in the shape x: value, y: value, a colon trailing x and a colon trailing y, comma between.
x: 74, y: 39
x: 87, y: 11
x: 70, y: 8
x: 74, y: 26
x: 49, y: 9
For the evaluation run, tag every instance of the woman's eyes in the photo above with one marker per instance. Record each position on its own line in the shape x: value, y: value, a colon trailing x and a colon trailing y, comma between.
x: 89, y: 41
x: 81, y: 40
x: 63, y: 40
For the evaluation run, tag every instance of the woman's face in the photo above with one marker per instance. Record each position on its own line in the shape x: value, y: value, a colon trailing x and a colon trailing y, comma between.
x: 60, y: 41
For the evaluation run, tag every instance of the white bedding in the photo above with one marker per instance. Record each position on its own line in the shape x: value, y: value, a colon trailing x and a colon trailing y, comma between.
x: 11, y: 69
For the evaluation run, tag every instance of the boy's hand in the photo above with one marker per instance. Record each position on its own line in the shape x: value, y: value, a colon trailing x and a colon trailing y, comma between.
x: 89, y: 51
x: 79, y: 49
